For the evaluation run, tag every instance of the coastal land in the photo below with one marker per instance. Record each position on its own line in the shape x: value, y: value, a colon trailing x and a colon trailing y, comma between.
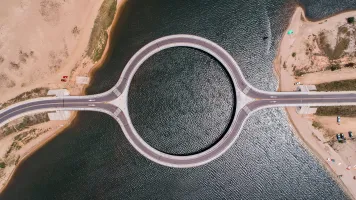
x: 41, y: 42
x: 323, y: 53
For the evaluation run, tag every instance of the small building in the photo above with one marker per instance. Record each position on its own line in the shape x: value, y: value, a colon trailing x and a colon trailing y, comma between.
x: 59, y: 115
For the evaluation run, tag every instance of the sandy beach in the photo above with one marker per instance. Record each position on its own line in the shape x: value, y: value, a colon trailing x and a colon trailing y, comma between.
x: 76, y: 62
x: 301, y: 59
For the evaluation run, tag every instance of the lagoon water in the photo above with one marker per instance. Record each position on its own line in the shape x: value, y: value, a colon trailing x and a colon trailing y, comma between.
x: 181, y: 102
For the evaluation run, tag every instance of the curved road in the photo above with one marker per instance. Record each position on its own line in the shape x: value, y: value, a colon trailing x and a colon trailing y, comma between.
x: 114, y: 101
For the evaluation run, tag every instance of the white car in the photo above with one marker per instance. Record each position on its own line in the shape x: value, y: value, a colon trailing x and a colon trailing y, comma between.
x: 297, y: 83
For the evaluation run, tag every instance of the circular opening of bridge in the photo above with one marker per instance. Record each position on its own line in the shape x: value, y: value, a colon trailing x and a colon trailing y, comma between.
x: 181, y: 101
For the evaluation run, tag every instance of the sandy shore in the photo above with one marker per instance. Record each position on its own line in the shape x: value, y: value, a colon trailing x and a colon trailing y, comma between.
x: 83, y: 66
x: 315, y: 65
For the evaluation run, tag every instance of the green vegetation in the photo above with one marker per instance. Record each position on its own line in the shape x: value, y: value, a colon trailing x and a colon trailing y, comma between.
x: 343, y: 29
x: 333, y: 67
x: 37, y: 92
x: 350, y: 20
x: 2, y: 165
x: 294, y: 54
x: 317, y: 125
x: 299, y: 72
x: 345, y: 85
x: 99, y: 36
x: 341, y: 45
x: 26, y: 122
x: 344, y: 111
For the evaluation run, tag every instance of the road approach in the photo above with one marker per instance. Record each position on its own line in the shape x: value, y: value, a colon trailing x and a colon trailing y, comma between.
x: 114, y: 102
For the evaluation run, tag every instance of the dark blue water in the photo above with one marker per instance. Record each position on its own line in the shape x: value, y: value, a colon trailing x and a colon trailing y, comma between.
x: 181, y: 102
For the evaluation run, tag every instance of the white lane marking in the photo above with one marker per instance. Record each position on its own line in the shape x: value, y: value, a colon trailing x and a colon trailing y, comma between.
x: 273, y: 97
x: 117, y: 112
x: 273, y: 101
x: 117, y: 92
x: 91, y: 99
x: 30, y: 107
x: 246, y: 109
x: 246, y: 90
x: 37, y: 106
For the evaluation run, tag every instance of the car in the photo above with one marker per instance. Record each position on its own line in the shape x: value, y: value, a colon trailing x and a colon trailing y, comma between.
x: 350, y: 134
x: 338, y: 136
x: 342, y: 136
x: 297, y: 83
x: 63, y: 80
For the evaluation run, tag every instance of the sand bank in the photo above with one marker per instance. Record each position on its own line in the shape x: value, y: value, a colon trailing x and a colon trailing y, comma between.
x: 301, y: 57
x: 77, y: 64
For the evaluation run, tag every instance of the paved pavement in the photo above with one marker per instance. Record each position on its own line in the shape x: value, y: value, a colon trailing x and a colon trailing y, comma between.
x: 114, y: 101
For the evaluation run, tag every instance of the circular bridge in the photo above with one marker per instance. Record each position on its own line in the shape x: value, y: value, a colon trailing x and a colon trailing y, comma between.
x: 239, y: 85
x: 114, y: 102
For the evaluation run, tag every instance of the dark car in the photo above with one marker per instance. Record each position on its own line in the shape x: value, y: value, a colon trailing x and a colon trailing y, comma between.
x: 350, y: 134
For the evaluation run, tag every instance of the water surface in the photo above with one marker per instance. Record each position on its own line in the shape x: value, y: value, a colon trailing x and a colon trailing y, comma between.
x: 181, y: 102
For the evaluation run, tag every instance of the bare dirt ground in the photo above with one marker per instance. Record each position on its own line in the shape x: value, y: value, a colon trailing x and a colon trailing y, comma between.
x: 40, y: 133
x: 41, y: 41
x: 304, y: 56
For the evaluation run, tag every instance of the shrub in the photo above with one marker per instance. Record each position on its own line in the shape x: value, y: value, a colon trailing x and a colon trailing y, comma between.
x: 349, y: 65
x: 294, y: 54
x: 350, y: 20
x: 317, y: 125
x: 284, y: 65
x: 299, y: 72
x: 2, y: 165
x: 333, y: 67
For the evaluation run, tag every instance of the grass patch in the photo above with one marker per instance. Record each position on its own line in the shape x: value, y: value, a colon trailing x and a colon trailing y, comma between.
x: 343, y: 29
x: 27, y: 121
x: 2, y: 165
x: 333, y: 54
x: 99, y: 36
x: 37, y: 92
x: 345, y: 85
x: 343, y: 111
x: 317, y: 125
x: 340, y: 47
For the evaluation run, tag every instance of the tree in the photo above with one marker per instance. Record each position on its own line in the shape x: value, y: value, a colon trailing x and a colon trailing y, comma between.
x: 2, y: 165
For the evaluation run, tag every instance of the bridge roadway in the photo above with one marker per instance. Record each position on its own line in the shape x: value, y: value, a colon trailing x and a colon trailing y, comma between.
x: 114, y: 101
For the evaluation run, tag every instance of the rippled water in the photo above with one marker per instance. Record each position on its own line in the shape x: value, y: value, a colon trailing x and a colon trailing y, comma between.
x: 181, y: 102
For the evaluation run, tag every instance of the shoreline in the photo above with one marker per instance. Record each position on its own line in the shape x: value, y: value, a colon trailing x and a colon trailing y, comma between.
x: 108, y: 47
x: 277, y: 70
